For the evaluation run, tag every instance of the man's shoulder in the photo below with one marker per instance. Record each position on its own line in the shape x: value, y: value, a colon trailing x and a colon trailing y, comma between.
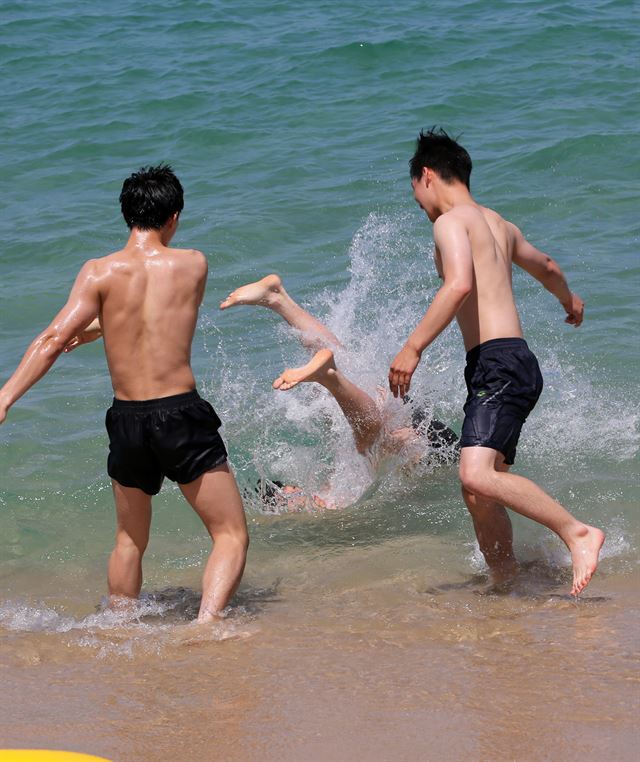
x: 97, y: 266
x: 494, y: 216
x: 446, y: 219
x: 192, y: 255
x: 459, y: 214
x: 104, y: 262
x: 458, y: 218
x: 191, y: 258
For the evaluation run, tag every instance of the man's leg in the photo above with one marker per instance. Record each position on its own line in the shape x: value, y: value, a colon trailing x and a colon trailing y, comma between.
x: 133, y: 512
x: 480, y: 477
x: 269, y: 292
x: 357, y: 406
x: 216, y: 499
x: 359, y: 409
x: 493, y: 530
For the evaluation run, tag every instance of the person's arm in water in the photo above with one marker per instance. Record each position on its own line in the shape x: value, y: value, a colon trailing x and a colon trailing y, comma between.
x: 81, y: 308
x: 452, y: 241
x: 547, y: 271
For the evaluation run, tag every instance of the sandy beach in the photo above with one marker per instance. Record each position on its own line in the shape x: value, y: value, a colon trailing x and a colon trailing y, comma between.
x: 346, y: 655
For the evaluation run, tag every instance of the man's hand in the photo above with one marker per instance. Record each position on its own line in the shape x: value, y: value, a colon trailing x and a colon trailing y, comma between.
x: 92, y: 332
x: 5, y: 405
x: 574, y: 308
x: 402, y: 369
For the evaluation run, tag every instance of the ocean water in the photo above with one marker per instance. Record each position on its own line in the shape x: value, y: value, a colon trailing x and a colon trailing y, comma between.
x: 290, y: 126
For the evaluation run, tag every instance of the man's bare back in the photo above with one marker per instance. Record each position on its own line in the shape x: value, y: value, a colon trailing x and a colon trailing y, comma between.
x: 149, y: 297
x: 144, y: 299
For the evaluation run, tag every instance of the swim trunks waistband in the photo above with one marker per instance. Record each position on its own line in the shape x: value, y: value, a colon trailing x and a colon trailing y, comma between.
x: 165, y: 403
x: 514, y: 341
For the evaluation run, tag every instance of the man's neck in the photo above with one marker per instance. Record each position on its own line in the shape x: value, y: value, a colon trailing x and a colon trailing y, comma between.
x: 146, y: 239
x: 452, y: 195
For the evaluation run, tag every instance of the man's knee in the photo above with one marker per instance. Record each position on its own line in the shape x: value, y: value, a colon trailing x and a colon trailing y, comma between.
x: 130, y: 546
x: 243, y: 540
x: 477, y: 482
x: 235, y: 539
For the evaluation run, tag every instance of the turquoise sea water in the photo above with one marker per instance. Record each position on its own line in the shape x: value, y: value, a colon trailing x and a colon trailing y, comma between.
x: 290, y: 126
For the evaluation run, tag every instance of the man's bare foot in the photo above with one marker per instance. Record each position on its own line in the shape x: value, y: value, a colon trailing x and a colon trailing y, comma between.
x: 504, y: 571
x: 584, y: 557
x: 263, y: 292
x: 123, y: 604
x: 317, y: 369
x: 206, y: 616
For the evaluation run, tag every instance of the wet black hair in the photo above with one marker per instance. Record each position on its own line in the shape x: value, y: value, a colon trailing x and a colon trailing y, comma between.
x: 441, y: 153
x: 437, y: 434
x: 268, y: 489
x: 150, y: 196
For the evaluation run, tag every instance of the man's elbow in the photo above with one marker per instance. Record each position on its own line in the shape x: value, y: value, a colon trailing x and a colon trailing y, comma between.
x: 552, y: 268
x: 460, y: 290
x: 50, y: 344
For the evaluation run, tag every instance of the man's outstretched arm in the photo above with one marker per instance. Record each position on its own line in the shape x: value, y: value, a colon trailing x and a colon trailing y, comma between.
x: 547, y: 271
x: 81, y: 308
x: 452, y: 241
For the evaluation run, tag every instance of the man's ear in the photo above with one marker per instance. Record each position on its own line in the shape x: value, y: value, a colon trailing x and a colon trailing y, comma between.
x: 427, y: 176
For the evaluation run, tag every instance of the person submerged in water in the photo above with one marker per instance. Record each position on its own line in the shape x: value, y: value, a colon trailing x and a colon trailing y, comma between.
x: 372, y: 435
x: 475, y: 249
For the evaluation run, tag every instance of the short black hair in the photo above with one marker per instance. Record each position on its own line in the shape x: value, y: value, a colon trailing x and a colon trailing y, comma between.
x: 268, y: 490
x: 150, y: 196
x: 436, y: 150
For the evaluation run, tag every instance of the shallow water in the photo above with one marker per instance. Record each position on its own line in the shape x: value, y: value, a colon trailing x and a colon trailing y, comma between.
x: 371, y: 632
x: 376, y: 654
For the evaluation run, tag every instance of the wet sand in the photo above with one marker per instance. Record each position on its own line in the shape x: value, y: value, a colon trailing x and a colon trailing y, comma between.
x: 341, y: 655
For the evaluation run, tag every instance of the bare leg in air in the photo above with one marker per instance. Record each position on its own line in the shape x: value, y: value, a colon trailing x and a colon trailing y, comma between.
x: 269, y: 292
x: 358, y: 407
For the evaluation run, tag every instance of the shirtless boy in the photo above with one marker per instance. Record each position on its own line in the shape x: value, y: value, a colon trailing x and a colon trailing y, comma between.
x: 474, y: 252
x: 144, y: 300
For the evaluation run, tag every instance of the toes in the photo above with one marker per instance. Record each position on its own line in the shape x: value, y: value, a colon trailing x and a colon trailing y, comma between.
x: 580, y: 584
x: 283, y: 384
x: 577, y: 587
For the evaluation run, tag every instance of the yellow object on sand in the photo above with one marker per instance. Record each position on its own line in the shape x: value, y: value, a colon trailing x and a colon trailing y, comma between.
x: 42, y: 755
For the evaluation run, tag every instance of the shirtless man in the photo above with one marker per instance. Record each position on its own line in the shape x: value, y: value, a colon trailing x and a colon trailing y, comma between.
x: 144, y: 299
x: 474, y: 252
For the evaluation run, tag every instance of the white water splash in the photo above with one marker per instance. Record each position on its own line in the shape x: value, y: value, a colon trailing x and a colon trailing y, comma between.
x: 302, y: 438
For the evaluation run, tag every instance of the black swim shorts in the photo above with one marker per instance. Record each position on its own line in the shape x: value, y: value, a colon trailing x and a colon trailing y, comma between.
x: 503, y: 382
x: 176, y: 437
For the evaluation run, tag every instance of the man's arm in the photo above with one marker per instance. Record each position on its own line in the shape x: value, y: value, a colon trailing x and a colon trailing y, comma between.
x: 81, y: 308
x: 203, y: 270
x: 91, y: 333
x: 547, y: 271
x: 452, y: 241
